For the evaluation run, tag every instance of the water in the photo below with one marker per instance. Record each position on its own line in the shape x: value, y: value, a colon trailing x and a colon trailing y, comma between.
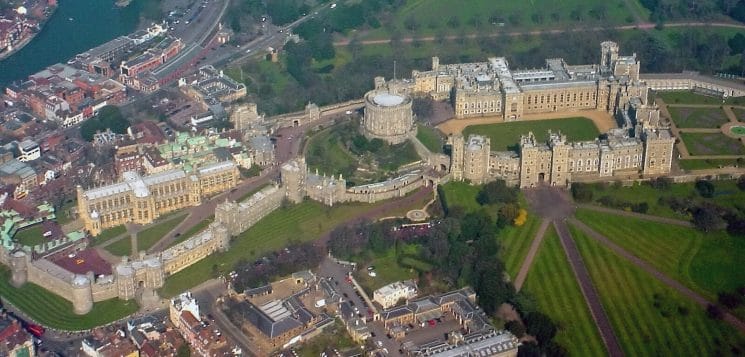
x: 76, y: 26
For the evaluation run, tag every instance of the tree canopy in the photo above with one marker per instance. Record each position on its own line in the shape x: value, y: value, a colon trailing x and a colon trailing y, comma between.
x: 109, y: 117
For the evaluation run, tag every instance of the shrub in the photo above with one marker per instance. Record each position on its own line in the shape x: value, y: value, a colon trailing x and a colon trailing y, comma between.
x: 522, y: 217
x: 705, y: 188
x: 581, y: 192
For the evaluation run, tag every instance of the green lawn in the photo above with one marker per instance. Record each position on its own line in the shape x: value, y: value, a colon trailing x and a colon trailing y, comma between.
x: 712, y: 144
x: 389, y: 268
x: 108, y: 234
x: 148, y: 237
x: 121, y: 247
x: 30, y: 236
x: 551, y: 282
x: 193, y: 231
x: 428, y: 17
x: 704, y: 164
x: 299, y: 223
x: 430, y: 137
x: 54, y: 311
x: 515, y: 243
x: 726, y: 194
x: 649, y: 318
x: 506, y: 136
x: 688, y: 97
x: 460, y: 194
x: 739, y: 114
x: 324, y: 152
x: 692, y: 117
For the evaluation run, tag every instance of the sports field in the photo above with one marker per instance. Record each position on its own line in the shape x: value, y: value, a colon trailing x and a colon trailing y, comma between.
x: 506, y: 136
x: 54, y: 311
x: 553, y: 285
x: 649, y: 318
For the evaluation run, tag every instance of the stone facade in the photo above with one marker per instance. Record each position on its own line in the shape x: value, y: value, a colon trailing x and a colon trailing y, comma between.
x: 143, y: 199
x: 492, y: 89
x: 388, y: 116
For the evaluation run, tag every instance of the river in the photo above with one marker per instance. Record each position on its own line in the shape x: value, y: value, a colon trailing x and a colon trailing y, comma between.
x: 76, y: 26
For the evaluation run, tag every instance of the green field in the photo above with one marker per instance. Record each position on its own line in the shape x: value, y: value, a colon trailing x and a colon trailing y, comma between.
x: 31, y: 236
x: 429, y: 17
x: 460, y: 194
x: 739, y: 114
x: 391, y: 267
x: 688, y: 97
x: 711, y: 144
x: 108, y: 234
x: 505, y: 136
x: 148, y: 237
x: 64, y: 214
x: 649, y: 318
x: 726, y: 194
x: 121, y: 247
x: 515, y: 243
x: 54, y: 311
x: 553, y: 285
x: 299, y: 223
x: 431, y: 138
x: 704, y: 164
x: 692, y: 117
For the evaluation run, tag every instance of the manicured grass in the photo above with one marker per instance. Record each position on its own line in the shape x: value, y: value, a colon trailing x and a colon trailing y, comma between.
x: 712, y: 144
x: 506, y: 136
x: 692, y: 117
x: 148, y: 237
x: 30, y: 236
x: 298, y: 223
x: 704, y: 164
x: 54, y: 311
x: 515, y: 243
x: 726, y: 194
x: 121, y: 247
x: 193, y: 230
x: 739, y: 114
x: 108, y: 234
x: 460, y: 194
x: 431, y: 138
x: 389, y: 268
x: 433, y: 16
x: 649, y: 318
x: 553, y: 285
x: 688, y: 97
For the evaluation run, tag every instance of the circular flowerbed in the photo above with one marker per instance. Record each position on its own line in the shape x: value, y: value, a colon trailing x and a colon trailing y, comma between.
x: 738, y: 130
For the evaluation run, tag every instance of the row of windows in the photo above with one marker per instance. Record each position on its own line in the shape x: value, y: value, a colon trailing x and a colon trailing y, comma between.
x: 478, y: 105
x: 116, y: 216
x: 560, y: 98
x: 568, y: 105
x: 111, y: 203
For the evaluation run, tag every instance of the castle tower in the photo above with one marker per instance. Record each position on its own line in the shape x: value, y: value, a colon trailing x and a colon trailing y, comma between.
x: 476, y: 158
x: 153, y: 273
x: 125, y: 280
x: 312, y: 112
x: 435, y: 63
x: 559, y: 160
x: 379, y: 82
x: 19, y: 268
x: 456, y: 156
x: 293, y: 179
x: 658, y: 151
x: 82, y: 296
x: 220, y: 232
x: 243, y: 115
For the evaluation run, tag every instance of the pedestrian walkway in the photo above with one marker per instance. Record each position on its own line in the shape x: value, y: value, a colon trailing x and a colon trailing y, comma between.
x: 532, y: 252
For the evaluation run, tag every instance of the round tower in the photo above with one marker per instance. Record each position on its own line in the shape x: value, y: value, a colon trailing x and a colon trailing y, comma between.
x: 125, y: 280
x: 388, y: 116
x: 82, y: 296
x: 19, y: 268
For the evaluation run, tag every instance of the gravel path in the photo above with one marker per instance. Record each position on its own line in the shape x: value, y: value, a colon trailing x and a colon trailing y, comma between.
x: 528, y: 262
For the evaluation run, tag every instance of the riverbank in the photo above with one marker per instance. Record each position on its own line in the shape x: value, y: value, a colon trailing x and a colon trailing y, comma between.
x: 26, y: 40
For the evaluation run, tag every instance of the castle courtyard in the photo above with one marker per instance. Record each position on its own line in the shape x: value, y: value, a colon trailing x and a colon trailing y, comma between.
x: 602, y: 120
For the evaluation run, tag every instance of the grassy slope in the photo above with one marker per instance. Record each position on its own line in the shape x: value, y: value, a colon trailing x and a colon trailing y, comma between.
x: 461, y: 194
x: 552, y: 283
x: 304, y: 222
x: 706, y: 262
x: 727, y: 194
x: 430, y: 137
x: 628, y: 297
x: 54, y: 311
x: 507, y: 135
x: 515, y: 243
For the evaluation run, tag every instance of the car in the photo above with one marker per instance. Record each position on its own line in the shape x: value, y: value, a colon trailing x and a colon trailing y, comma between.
x: 333, y: 6
x: 432, y: 323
